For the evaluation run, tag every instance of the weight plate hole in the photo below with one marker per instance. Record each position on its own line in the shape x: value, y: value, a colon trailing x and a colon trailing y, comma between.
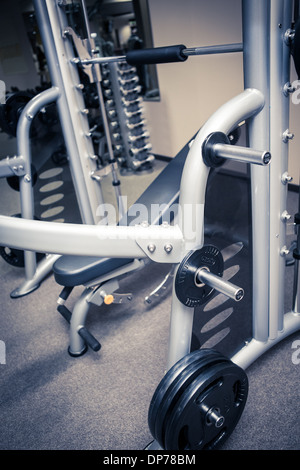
x: 183, y: 438
x: 216, y: 383
x: 238, y: 393
x: 214, y: 442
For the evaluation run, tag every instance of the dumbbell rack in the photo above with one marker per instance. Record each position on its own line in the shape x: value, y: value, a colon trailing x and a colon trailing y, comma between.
x: 127, y: 123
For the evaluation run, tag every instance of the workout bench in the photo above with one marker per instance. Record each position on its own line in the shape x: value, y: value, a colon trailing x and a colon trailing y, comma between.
x: 100, y: 275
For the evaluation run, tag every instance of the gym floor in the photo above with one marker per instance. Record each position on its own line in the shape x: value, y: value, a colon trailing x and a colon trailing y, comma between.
x: 100, y: 401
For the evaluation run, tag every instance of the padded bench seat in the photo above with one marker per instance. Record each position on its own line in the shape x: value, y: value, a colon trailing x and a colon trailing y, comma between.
x: 77, y: 270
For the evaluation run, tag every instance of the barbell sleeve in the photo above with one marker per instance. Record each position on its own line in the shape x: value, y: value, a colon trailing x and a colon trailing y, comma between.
x: 242, y: 154
x: 216, y: 282
x: 217, y: 148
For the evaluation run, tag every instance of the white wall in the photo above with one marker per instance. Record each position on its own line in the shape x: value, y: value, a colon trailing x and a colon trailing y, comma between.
x: 191, y: 91
x: 16, y: 63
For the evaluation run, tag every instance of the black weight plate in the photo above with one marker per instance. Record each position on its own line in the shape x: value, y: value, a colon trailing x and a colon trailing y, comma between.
x: 168, y: 380
x: 186, y: 290
x: 168, y: 384
x: 12, y: 256
x: 15, y: 257
x: 223, y: 386
x: 175, y: 393
x: 12, y: 109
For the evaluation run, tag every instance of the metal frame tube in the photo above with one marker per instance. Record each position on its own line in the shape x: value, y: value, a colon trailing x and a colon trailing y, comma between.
x: 93, y: 240
x: 280, y: 20
x: 7, y: 165
x: 192, y: 194
x: 256, y: 74
x: 70, y: 105
x: 254, y: 349
x: 26, y: 190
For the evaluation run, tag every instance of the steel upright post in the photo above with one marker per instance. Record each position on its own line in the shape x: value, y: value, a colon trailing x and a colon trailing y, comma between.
x: 255, y: 14
x: 71, y: 109
x: 280, y: 22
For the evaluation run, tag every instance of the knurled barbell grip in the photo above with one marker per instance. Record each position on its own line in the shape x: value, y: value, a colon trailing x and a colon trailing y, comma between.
x: 157, y: 55
x: 216, y: 282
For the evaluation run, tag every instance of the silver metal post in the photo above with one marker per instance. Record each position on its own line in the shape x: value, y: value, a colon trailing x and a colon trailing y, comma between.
x: 242, y: 154
x: 280, y: 22
x: 203, y: 276
x: 71, y: 109
x: 26, y: 190
x: 115, y: 177
x: 192, y: 195
x: 256, y: 75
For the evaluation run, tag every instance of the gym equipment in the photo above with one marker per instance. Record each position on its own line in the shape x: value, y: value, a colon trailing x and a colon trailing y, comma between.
x: 264, y: 107
x: 12, y: 109
x: 199, y: 274
x: 63, y: 100
x: 100, y: 275
x: 198, y: 402
x: 125, y: 115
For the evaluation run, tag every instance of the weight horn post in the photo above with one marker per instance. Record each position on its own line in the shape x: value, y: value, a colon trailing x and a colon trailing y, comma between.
x: 217, y: 147
x: 242, y: 154
x: 203, y: 276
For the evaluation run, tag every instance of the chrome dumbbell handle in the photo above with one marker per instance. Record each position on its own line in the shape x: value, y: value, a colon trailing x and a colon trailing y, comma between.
x: 203, y: 276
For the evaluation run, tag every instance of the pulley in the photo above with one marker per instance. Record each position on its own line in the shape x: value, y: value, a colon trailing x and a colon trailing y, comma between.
x: 198, y: 403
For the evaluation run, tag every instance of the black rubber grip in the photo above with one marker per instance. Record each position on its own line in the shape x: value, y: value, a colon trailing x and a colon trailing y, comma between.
x: 89, y: 339
x: 65, y: 312
x: 157, y: 55
x: 66, y: 292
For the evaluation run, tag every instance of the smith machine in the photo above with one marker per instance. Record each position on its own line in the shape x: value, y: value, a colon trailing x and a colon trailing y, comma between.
x: 200, y: 399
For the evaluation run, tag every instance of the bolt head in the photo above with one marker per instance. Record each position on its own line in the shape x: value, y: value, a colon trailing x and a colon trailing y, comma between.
x: 27, y: 178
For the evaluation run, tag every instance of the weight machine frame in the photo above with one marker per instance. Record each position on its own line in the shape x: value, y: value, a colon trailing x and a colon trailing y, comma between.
x: 264, y: 105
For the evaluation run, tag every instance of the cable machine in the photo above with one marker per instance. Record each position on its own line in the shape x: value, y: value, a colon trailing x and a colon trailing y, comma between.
x: 201, y: 398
